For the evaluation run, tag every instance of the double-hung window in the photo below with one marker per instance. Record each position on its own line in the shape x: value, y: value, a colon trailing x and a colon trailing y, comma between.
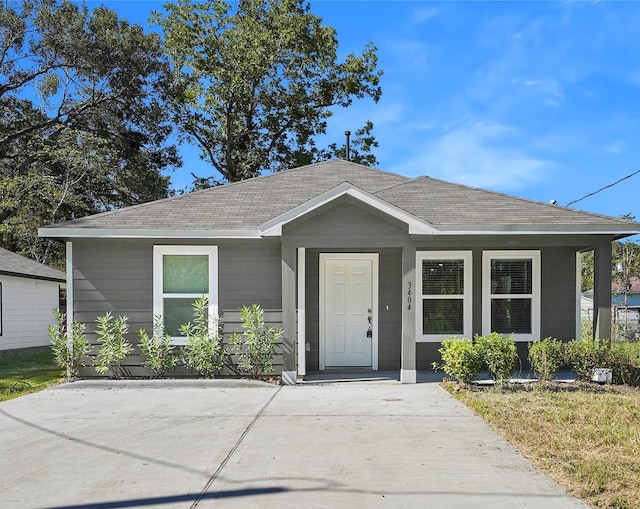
x: 444, y: 294
x: 181, y: 275
x: 511, y: 293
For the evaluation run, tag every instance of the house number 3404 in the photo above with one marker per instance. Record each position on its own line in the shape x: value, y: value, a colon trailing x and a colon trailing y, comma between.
x: 409, y: 295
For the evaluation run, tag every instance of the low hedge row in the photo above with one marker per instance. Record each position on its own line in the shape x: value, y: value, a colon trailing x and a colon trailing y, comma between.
x: 463, y: 359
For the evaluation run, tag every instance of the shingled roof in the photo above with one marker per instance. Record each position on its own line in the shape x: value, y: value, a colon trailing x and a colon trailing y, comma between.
x: 455, y: 206
x: 13, y: 264
x: 242, y: 207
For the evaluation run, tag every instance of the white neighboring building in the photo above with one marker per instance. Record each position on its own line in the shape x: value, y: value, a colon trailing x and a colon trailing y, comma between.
x: 29, y: 292
x: 627, y: 316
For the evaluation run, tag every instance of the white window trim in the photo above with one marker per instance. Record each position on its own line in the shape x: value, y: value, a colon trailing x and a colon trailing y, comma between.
x: 532, y: 255
x: 467, y: 325
x: 158, y: 294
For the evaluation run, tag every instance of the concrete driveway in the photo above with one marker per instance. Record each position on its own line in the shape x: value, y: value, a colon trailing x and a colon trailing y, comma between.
x: 227, y: 444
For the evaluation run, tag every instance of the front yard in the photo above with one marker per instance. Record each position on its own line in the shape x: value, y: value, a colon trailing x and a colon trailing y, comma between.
x: 25, y: 371
x: 585, y: 436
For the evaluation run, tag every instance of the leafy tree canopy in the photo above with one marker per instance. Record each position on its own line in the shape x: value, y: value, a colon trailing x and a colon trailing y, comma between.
x: 254, y: 82
x: 82, y: 129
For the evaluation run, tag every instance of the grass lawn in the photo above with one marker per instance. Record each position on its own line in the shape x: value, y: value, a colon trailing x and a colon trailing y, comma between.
x: 586, y: 437
x: 26, y: 371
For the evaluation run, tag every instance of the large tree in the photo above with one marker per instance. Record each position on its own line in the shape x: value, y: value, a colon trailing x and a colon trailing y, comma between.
x: 82, y: 129
x: 255, y: 82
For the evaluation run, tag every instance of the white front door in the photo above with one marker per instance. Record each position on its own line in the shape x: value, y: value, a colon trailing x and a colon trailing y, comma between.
x: 348, y: 310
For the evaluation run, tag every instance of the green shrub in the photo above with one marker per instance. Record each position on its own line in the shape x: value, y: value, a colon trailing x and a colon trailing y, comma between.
x: 256, y: 346
x: 623, y: 358
x: 546, y: 357
x: 69, y: 350
x: 204, y: 352
x: 157, y: 349
x: 624, y: 361
x: 114, y: 347
x: 460, y: 359
x: 586, y: 355
x: 498, y: 354
x: 586, y: 329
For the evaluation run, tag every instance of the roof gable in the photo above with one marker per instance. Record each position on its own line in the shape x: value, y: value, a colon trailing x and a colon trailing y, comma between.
x: 273, y: 227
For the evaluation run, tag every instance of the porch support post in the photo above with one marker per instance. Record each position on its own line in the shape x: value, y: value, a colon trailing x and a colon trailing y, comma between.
x: 288, y: 257
x: 602, y: 291
x: 302, y: 361
x: 409, y: 302
x: 578, y: 295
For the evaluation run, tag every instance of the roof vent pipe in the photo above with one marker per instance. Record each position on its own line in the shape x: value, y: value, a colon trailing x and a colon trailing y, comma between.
x: 347, y: 134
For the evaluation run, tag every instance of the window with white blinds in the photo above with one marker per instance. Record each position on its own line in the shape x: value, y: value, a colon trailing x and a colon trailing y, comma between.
x: 444, y: 294
x: 511, y: 293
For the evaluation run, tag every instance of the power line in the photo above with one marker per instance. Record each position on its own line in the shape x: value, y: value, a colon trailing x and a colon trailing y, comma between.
x: 603, y: 188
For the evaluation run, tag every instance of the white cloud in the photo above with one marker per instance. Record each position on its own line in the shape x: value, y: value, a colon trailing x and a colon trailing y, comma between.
x: 615, y: 147
x: 422, y: 15
x: 549, y: 87
x: 408, y: 53
x: 634, y: 77
x: 481, y: 154
x: 569, y: 139
x: 354, y: 117
x: 386, y: 112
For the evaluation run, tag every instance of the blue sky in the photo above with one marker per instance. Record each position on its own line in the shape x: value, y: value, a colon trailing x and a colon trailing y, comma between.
x: 536, y: 99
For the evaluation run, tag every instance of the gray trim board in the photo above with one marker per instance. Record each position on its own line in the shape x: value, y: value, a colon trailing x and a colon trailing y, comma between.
x: 31, y: 276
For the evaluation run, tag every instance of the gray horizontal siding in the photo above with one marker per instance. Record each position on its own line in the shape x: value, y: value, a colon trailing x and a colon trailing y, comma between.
x: 112, y: 276
x: 312, y: 311
x: 506, y: 241
x: 117, y: 276
x: 426, y: 355
x: 390, y: 309
x: 250, y: 274
x: 558, y: 300
x: 345, y: 225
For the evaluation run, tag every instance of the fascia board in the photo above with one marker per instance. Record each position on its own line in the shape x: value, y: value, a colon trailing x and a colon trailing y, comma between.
x: 118, y: 233
x: 538, y: 230
x: 22, y: 275
x: 273, y: 227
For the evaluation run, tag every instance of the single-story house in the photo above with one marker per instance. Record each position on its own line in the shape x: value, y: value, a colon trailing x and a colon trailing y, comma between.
x: 361, y: 268
x: 29, y: 292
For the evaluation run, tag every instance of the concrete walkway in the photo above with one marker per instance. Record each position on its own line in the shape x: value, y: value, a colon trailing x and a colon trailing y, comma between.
x: 226, y: 444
